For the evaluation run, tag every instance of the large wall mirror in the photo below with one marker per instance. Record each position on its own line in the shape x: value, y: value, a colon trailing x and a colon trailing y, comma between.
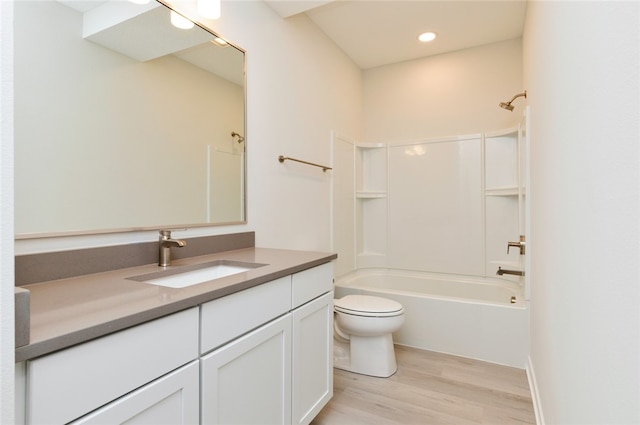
x: 123, y: 121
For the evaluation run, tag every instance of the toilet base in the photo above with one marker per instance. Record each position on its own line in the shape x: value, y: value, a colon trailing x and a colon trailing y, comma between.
x: 372, y: 356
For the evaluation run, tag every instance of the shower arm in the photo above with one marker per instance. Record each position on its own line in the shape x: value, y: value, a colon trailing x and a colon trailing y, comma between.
x: 524, y: 93
x: 240, y: 138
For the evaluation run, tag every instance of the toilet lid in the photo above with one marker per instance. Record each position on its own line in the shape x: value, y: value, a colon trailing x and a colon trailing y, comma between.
x: 367, y: 305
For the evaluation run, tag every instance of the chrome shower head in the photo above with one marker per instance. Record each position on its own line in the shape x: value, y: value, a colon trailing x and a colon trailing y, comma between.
x: 508, y: 106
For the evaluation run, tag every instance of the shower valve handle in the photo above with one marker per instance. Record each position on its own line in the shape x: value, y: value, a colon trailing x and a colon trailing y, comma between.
x: 520, y: 245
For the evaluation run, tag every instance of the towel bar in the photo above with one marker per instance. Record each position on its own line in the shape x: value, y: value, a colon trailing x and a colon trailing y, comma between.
x: 283, y: 158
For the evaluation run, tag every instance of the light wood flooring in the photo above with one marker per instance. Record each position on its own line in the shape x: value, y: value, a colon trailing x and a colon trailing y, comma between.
x: 431, y: 388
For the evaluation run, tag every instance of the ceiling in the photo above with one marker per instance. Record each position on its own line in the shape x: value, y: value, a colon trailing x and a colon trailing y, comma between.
x: 380, y: 32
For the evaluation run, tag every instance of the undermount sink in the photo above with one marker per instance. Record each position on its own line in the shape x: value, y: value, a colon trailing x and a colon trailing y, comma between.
x: 181, y: 277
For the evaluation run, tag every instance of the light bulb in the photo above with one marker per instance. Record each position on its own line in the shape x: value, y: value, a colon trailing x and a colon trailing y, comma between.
x: 427, y: 36
x: 180, y: 21
x: 209, y: 9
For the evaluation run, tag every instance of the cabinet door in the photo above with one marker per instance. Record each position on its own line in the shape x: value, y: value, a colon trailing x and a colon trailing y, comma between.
x: 312, y: 358
x: 248, y: 381
x: 172, y: 399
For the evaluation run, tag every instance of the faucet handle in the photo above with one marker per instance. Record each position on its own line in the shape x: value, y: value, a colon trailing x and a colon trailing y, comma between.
x: 520, y: 245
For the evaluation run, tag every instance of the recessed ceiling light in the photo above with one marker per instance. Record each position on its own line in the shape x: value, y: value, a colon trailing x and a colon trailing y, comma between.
x: 427, y: 36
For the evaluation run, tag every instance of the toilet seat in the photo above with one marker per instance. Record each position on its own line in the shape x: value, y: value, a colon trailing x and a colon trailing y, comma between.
x: 368, y: 306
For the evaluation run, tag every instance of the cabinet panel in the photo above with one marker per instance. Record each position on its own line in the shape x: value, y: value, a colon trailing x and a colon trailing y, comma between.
x: 172, y: 400
x: 248, y: 381
x: 68, y: 384
x: 311, y: 283
x: 249, y: 309
x: 312, y: 358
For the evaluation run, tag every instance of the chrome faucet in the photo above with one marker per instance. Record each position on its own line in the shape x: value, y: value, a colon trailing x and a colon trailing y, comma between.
x: 502, y: 271
x: 165, y: 247
x: 520, y: 245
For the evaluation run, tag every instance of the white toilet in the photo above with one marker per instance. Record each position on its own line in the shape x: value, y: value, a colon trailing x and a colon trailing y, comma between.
x: 362, y: 334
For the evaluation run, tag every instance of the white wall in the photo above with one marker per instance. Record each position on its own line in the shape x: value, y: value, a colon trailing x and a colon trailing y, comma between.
x: 444, y: 95
x: 581, y: 62
x: 6, y: 215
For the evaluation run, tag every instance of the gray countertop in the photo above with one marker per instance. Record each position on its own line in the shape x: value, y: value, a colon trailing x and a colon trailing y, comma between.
x: 70, y: 311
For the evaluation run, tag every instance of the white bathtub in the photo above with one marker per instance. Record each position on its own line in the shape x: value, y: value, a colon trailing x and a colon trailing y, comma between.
x: 462, y: 315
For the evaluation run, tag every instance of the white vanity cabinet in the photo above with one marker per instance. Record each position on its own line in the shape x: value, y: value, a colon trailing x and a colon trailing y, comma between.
x: 258, y: 356
x: 65, y: 385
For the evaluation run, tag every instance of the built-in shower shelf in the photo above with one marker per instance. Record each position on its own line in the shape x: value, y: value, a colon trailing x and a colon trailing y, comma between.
x: 371, y: 194
x: 502, y: 191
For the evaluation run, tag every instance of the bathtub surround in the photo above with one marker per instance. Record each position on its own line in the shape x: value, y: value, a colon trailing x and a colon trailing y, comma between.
x: 445, y: 205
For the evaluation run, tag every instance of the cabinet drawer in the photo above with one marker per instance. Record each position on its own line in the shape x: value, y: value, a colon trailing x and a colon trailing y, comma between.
x: 70, y: 383
x: 228, y: 317
x: 311, y: 283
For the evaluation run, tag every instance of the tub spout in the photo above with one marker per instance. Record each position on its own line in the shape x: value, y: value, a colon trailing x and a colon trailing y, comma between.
x: 502, y: 271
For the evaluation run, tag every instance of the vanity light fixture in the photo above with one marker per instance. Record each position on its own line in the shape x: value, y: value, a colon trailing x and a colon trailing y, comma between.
x: 209, y: 9
x: 180, y: 21
x: 425, y: 37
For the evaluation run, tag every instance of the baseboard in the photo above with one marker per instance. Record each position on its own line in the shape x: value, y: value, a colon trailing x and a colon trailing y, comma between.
x: 535, y: 395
